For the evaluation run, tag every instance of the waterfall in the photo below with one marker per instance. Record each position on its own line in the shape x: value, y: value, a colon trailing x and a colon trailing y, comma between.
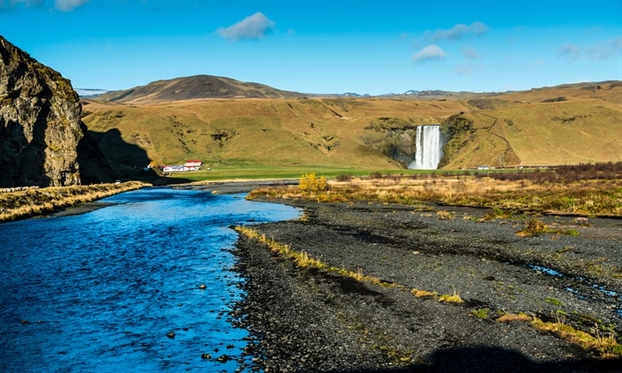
x: 429, y: 151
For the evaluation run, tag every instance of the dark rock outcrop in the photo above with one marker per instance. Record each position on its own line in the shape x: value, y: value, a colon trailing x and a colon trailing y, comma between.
x: 40, y: 126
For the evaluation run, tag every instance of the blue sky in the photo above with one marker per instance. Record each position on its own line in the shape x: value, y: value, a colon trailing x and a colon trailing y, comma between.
x: 320, y: 46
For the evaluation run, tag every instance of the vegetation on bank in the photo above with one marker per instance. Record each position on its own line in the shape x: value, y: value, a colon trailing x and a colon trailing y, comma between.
x: 39, y: 201
x: 589, y: 190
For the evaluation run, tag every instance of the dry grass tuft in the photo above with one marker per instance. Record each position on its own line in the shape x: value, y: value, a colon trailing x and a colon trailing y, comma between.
x: 445, y: 215
x: 423, y: 293
x: 451, y: 298
x: 511, y: 317
x: 602, y: 342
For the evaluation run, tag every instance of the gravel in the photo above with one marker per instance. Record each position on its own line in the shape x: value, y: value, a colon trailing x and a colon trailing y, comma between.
x: 308, y: 320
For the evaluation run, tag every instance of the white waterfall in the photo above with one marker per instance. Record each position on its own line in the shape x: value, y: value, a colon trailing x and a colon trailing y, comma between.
x: 429, y: 150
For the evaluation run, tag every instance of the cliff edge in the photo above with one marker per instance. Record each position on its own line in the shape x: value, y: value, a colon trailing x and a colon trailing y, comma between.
x: 40, y: 126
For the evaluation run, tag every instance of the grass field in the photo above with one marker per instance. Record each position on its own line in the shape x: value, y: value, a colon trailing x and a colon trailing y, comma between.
x: 586, y: 190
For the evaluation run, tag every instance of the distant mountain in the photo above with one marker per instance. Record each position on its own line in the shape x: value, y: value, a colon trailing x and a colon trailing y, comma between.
x: 196, y: 87
x: 353, y: 94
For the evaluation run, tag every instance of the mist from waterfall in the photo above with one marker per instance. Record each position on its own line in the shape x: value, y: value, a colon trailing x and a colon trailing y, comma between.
x: 429, y: 149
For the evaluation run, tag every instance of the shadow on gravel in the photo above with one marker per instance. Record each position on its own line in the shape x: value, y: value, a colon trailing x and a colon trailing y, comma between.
x: 494, y: 359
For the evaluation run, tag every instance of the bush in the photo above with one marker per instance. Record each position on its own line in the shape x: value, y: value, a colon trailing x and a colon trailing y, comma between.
x: 311, y: 183
x: 344, y: 177
x: 534, y: 227
x: 376, y: 175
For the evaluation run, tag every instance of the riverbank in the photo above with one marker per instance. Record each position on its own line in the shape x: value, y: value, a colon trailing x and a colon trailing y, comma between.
x: 236, y: 186
x: 432, y: 288
x: 75, y: 199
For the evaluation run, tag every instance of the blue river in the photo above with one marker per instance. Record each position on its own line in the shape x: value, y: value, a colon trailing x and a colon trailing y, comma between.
x: 118, y: 289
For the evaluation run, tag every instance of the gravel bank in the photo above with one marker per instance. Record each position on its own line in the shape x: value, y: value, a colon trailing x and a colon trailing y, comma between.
x: 308, y: 320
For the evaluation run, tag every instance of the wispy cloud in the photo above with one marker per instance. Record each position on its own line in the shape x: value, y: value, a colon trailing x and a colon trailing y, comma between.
x: 250, y: 28
x: 570, y: 52
x: 69, y: 5
x: 537, y: 63
x: 602, y: 51
x: 6, y: 4
x: 429, y: 53
x: 62, y: 5
x: 464, y: 69
x: 610, y: 49
x: 459, y: 31
x: 470, y: 53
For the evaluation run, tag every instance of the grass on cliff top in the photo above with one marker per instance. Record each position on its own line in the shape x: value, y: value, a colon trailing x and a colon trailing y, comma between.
x: 591, y: 190
x: 39, y: 201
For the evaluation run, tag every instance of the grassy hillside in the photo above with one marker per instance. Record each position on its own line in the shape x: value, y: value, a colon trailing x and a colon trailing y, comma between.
x: 260, y: 132
x: 559, y: 125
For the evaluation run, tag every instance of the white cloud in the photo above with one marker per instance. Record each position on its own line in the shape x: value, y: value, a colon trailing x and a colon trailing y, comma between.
x: 570, y: 51
x: 250, y: 28
x: 429, y: 53
x: 459, y: 31
x: 69, y: 5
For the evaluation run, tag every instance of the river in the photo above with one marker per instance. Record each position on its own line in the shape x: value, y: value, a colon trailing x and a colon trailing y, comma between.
x: 106, y: 290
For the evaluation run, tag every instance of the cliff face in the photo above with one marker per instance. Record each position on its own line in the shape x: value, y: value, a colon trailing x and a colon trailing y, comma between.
x: 40, y: 126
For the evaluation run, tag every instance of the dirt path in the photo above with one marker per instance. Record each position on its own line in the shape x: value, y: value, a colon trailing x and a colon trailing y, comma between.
x: 310, y: 320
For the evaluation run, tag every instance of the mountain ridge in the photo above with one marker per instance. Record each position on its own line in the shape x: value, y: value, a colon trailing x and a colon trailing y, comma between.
x: 195, y: 87
x: 205, y: 86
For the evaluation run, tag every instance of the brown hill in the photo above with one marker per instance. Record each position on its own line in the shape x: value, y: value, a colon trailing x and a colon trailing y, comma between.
x: 195, y: 87
x: 557, y: 125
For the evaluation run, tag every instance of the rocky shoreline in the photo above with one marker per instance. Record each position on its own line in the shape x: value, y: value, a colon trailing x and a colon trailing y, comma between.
x: 309, y: 320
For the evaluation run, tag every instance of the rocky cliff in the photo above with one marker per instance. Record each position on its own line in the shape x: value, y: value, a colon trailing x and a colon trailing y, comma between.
x: 40, y: 126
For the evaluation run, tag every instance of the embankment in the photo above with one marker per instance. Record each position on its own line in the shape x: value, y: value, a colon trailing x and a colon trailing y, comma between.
x: 27, y: 203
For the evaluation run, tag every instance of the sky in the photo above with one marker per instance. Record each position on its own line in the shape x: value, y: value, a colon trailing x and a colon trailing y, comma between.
x: 336, y: 46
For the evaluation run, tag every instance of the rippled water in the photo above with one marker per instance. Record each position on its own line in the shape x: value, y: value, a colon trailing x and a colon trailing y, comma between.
x: 100, y: 291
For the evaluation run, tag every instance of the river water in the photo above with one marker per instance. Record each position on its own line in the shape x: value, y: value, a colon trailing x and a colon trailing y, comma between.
x: 102, y: 291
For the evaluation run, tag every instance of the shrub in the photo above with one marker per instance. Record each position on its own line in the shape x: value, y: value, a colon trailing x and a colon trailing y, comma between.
x: 481, y: 313
x: 572, y: 232
x: 534, y: 227
x: 311, y: 183
x: 344, y: 177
